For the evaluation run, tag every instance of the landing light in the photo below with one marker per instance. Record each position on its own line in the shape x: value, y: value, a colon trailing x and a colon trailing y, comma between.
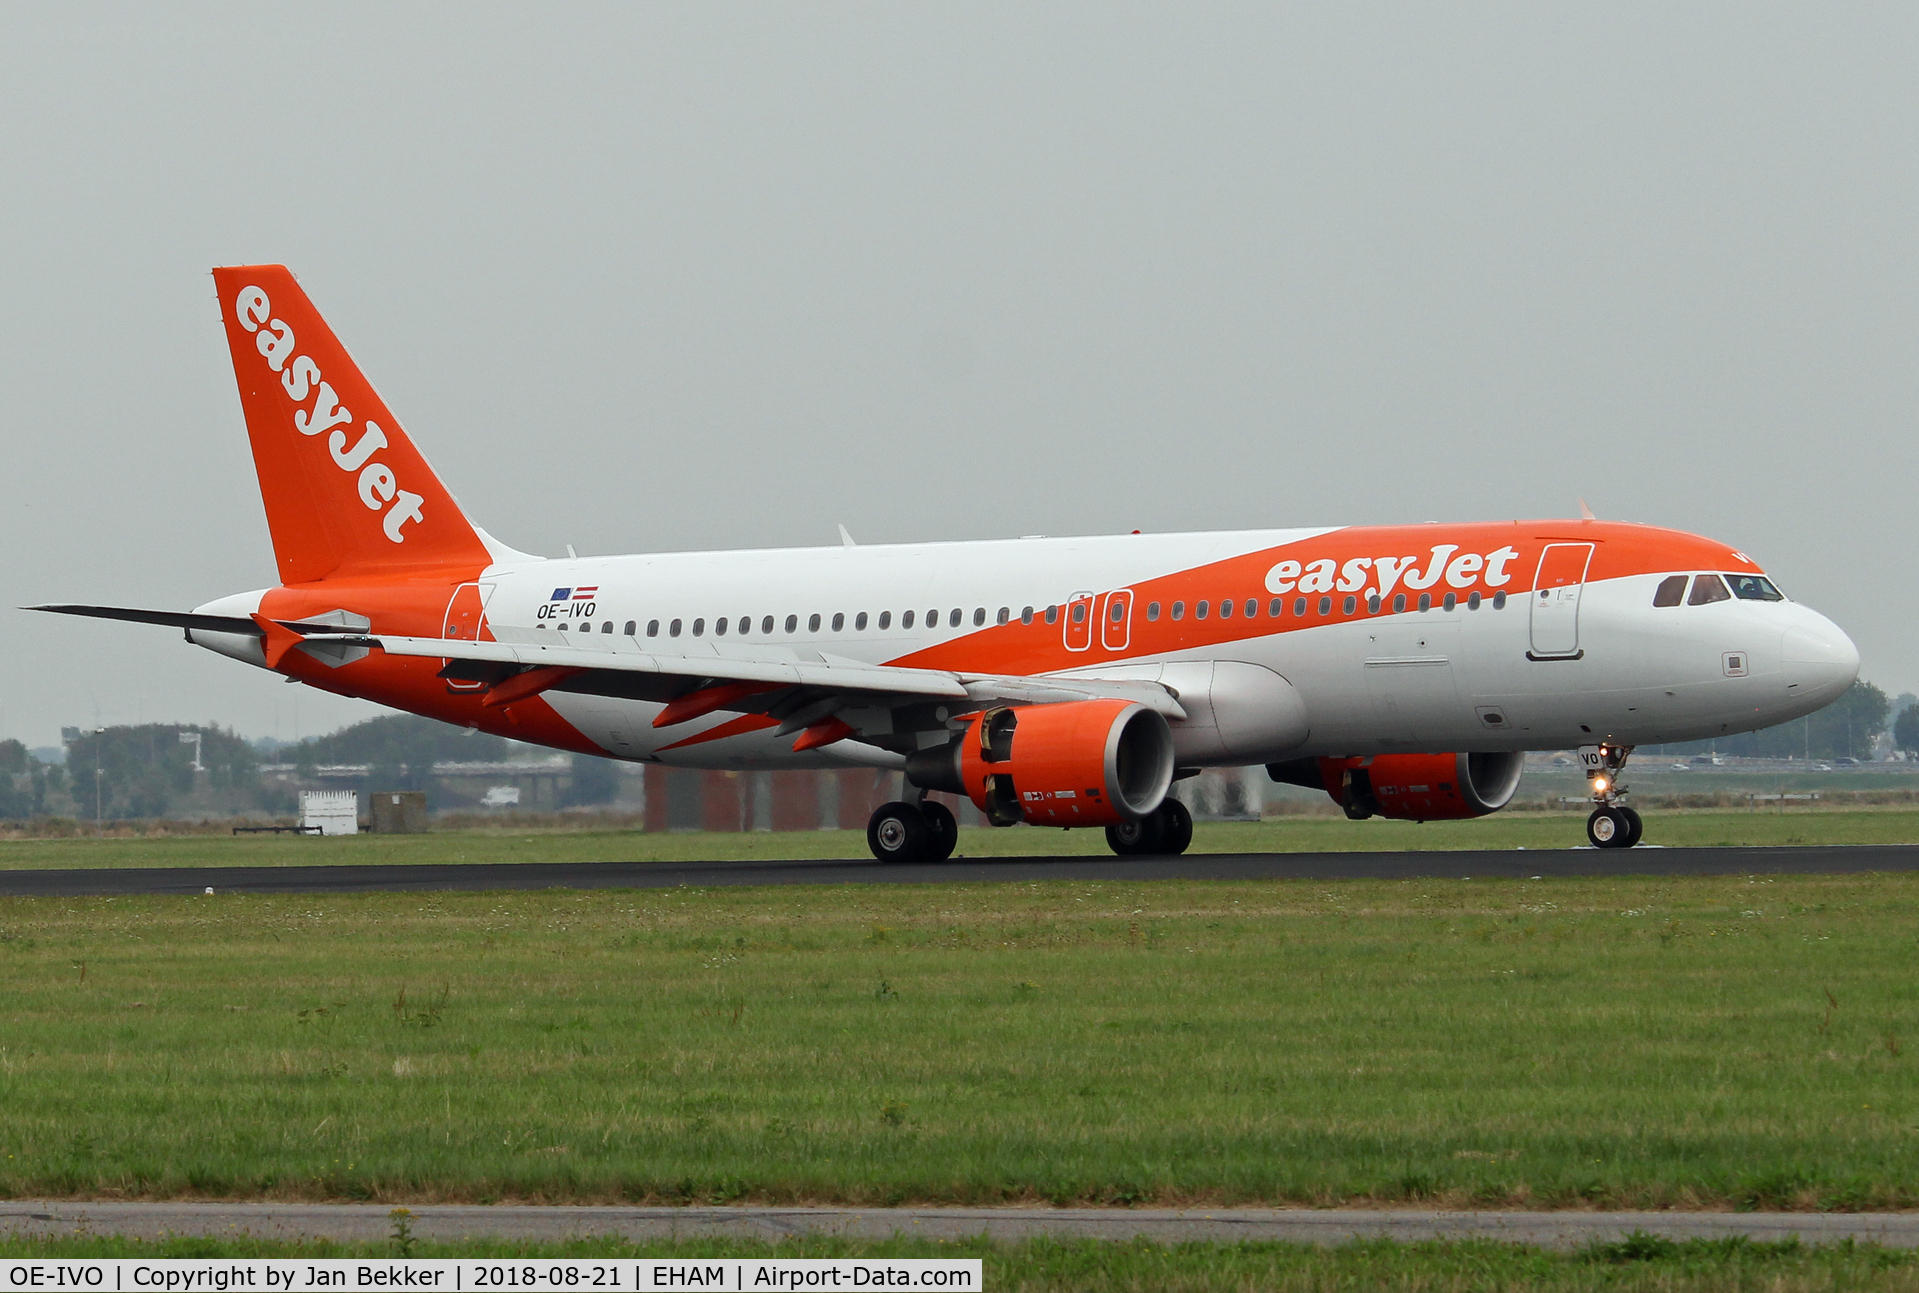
x: 1599, y: 783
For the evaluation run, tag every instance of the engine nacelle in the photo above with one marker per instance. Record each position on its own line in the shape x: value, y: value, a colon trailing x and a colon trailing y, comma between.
x: 1081, y: 763
x: 1411, y: 787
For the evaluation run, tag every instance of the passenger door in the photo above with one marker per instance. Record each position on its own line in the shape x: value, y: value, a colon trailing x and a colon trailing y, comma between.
x: 1555, y: 601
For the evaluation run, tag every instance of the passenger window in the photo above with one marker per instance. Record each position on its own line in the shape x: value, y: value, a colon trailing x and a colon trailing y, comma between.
x: 1425, y: 601
x: 1754, y: 588
x: 766, y: 624
x: 719, y: 627
x: 699, y: 628
x: 953, y: 618
x: 839, y: 621
x: 1179, y: 610
x: 792, y: 623
x: 1118, y: 611
x: 1452, y: 600
x: 1200, y: 608
x: 1372, y: 603
x: 1005, y: 614
x: 1707, y: 589
x: 1352, y: 603
x: 672, y: 630
x: 1276, y: 607
x: 1399, y: 602
x: 563, y: 628
x: 906, y: 620
x: 859, y: 622
x: 1252, y: 608
x: 607, y: 627
x: 1325, y: 606
x: 813, y: 622
x: 1026, y: 615
x: 1079, y: 612
x: 1472, y: 601
x: 746, y: 624
x: 1152, y: 610
x: 886, y: 619
x: 1226, y: 609
x: 979, y: 616
x: 631, y: 625
x: 1052, y: 614
x: 652, y: 628
x: 1499, y: 600
x: 1671, y: 591
x: 1299, y: 608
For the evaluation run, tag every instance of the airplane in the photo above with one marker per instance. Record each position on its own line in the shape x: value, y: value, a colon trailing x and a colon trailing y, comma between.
x: 1062, y: 682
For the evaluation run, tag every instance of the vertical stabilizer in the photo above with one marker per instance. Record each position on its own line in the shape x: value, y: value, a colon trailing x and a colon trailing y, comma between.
x: 346, y: 492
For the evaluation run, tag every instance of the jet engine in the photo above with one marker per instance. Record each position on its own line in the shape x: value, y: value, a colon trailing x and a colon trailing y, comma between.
x: 1080, y: 763
x: 1410, y: 787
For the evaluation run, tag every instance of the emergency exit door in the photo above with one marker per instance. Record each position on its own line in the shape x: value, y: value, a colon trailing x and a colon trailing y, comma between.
x: 1555, y: 601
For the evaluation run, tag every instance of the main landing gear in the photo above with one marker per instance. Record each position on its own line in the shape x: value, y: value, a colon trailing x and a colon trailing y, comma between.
x: 1166, y: 831
x: 923, y: 832
x: 927, y: 832
x: 1612, y: 825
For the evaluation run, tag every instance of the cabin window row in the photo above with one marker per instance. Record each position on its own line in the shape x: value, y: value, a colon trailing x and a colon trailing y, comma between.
x: 1203, y: 609
x: 1276, y: 608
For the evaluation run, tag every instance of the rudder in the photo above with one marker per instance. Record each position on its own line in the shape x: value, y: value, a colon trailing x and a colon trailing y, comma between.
x: 345, y: 490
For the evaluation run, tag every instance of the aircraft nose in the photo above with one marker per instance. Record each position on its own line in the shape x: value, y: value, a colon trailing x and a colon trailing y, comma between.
x: 1819, y: 659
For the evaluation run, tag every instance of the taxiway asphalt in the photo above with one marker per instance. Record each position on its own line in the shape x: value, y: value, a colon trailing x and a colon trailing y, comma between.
x: 1481, y: 863
x: 453, y: 1223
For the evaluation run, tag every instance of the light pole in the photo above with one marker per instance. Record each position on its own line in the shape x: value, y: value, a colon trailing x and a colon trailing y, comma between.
x: 193, y: 739
x: 99, y: 829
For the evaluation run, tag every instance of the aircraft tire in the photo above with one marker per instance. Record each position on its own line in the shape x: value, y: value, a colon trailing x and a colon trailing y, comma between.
x: 1140, y: 837
x: 1635, y: 827
x: 1609, y: 828
x: 1176, y: 829
x: 898, y: 832
x: 942, y: 831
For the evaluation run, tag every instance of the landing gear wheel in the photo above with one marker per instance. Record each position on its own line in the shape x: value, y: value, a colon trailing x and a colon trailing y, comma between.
x: 898, y: 833
x: 1610, y: 828
x: 1634, y: 827
x: 942, y: 830
x: 1176, y: 827
x: 1139, y: 837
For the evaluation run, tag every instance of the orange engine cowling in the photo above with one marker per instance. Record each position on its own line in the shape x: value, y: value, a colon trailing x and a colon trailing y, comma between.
x: 1080, y: 763
x: 1411, y: 787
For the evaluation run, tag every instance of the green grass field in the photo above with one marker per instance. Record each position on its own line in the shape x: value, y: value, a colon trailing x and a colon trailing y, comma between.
x: 1630, y: 1266
x: 1562, y: 1043
x: 1531, y: 830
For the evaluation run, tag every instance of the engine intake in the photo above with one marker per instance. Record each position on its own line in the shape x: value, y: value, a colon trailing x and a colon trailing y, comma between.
x: 1411, y: 787
x: 1081, y: 763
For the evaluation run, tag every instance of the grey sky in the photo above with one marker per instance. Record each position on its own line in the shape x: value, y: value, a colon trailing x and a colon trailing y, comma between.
x: 708, y: 276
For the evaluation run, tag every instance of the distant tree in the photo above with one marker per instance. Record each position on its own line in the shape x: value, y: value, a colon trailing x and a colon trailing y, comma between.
x: 1905, y: 731
x: 13, y: 757
x: 594, y: 782
x: 16, y: 782
x: 142, y: 770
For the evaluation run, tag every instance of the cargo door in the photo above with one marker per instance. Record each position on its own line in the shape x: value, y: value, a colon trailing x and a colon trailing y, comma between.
x: 1555, y: 601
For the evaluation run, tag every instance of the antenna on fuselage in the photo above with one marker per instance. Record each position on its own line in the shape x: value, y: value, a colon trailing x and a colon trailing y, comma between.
x: 846, y: 540
x: 1586, y: 513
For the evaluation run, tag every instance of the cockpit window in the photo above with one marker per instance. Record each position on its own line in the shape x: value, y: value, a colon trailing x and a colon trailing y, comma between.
x: 1708, y: 588
x: 1754, y: 588
x: 1672, y: 591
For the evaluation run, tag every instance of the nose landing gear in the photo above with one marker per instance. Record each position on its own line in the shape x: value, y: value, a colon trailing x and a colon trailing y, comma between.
x: 1613, y: 825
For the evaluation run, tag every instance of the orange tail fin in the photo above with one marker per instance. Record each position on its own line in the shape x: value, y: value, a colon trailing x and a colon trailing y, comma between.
x: 346, y: 492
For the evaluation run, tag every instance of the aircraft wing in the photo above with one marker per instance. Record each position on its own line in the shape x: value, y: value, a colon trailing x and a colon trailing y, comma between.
x: 569, y: 667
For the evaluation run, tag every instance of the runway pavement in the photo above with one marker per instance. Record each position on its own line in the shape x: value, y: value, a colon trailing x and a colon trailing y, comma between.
x: 1486, y: 864
x: 372, y: 1223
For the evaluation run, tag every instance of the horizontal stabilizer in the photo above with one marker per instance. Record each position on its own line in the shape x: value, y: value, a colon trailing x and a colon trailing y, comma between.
x: 173, y: 619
